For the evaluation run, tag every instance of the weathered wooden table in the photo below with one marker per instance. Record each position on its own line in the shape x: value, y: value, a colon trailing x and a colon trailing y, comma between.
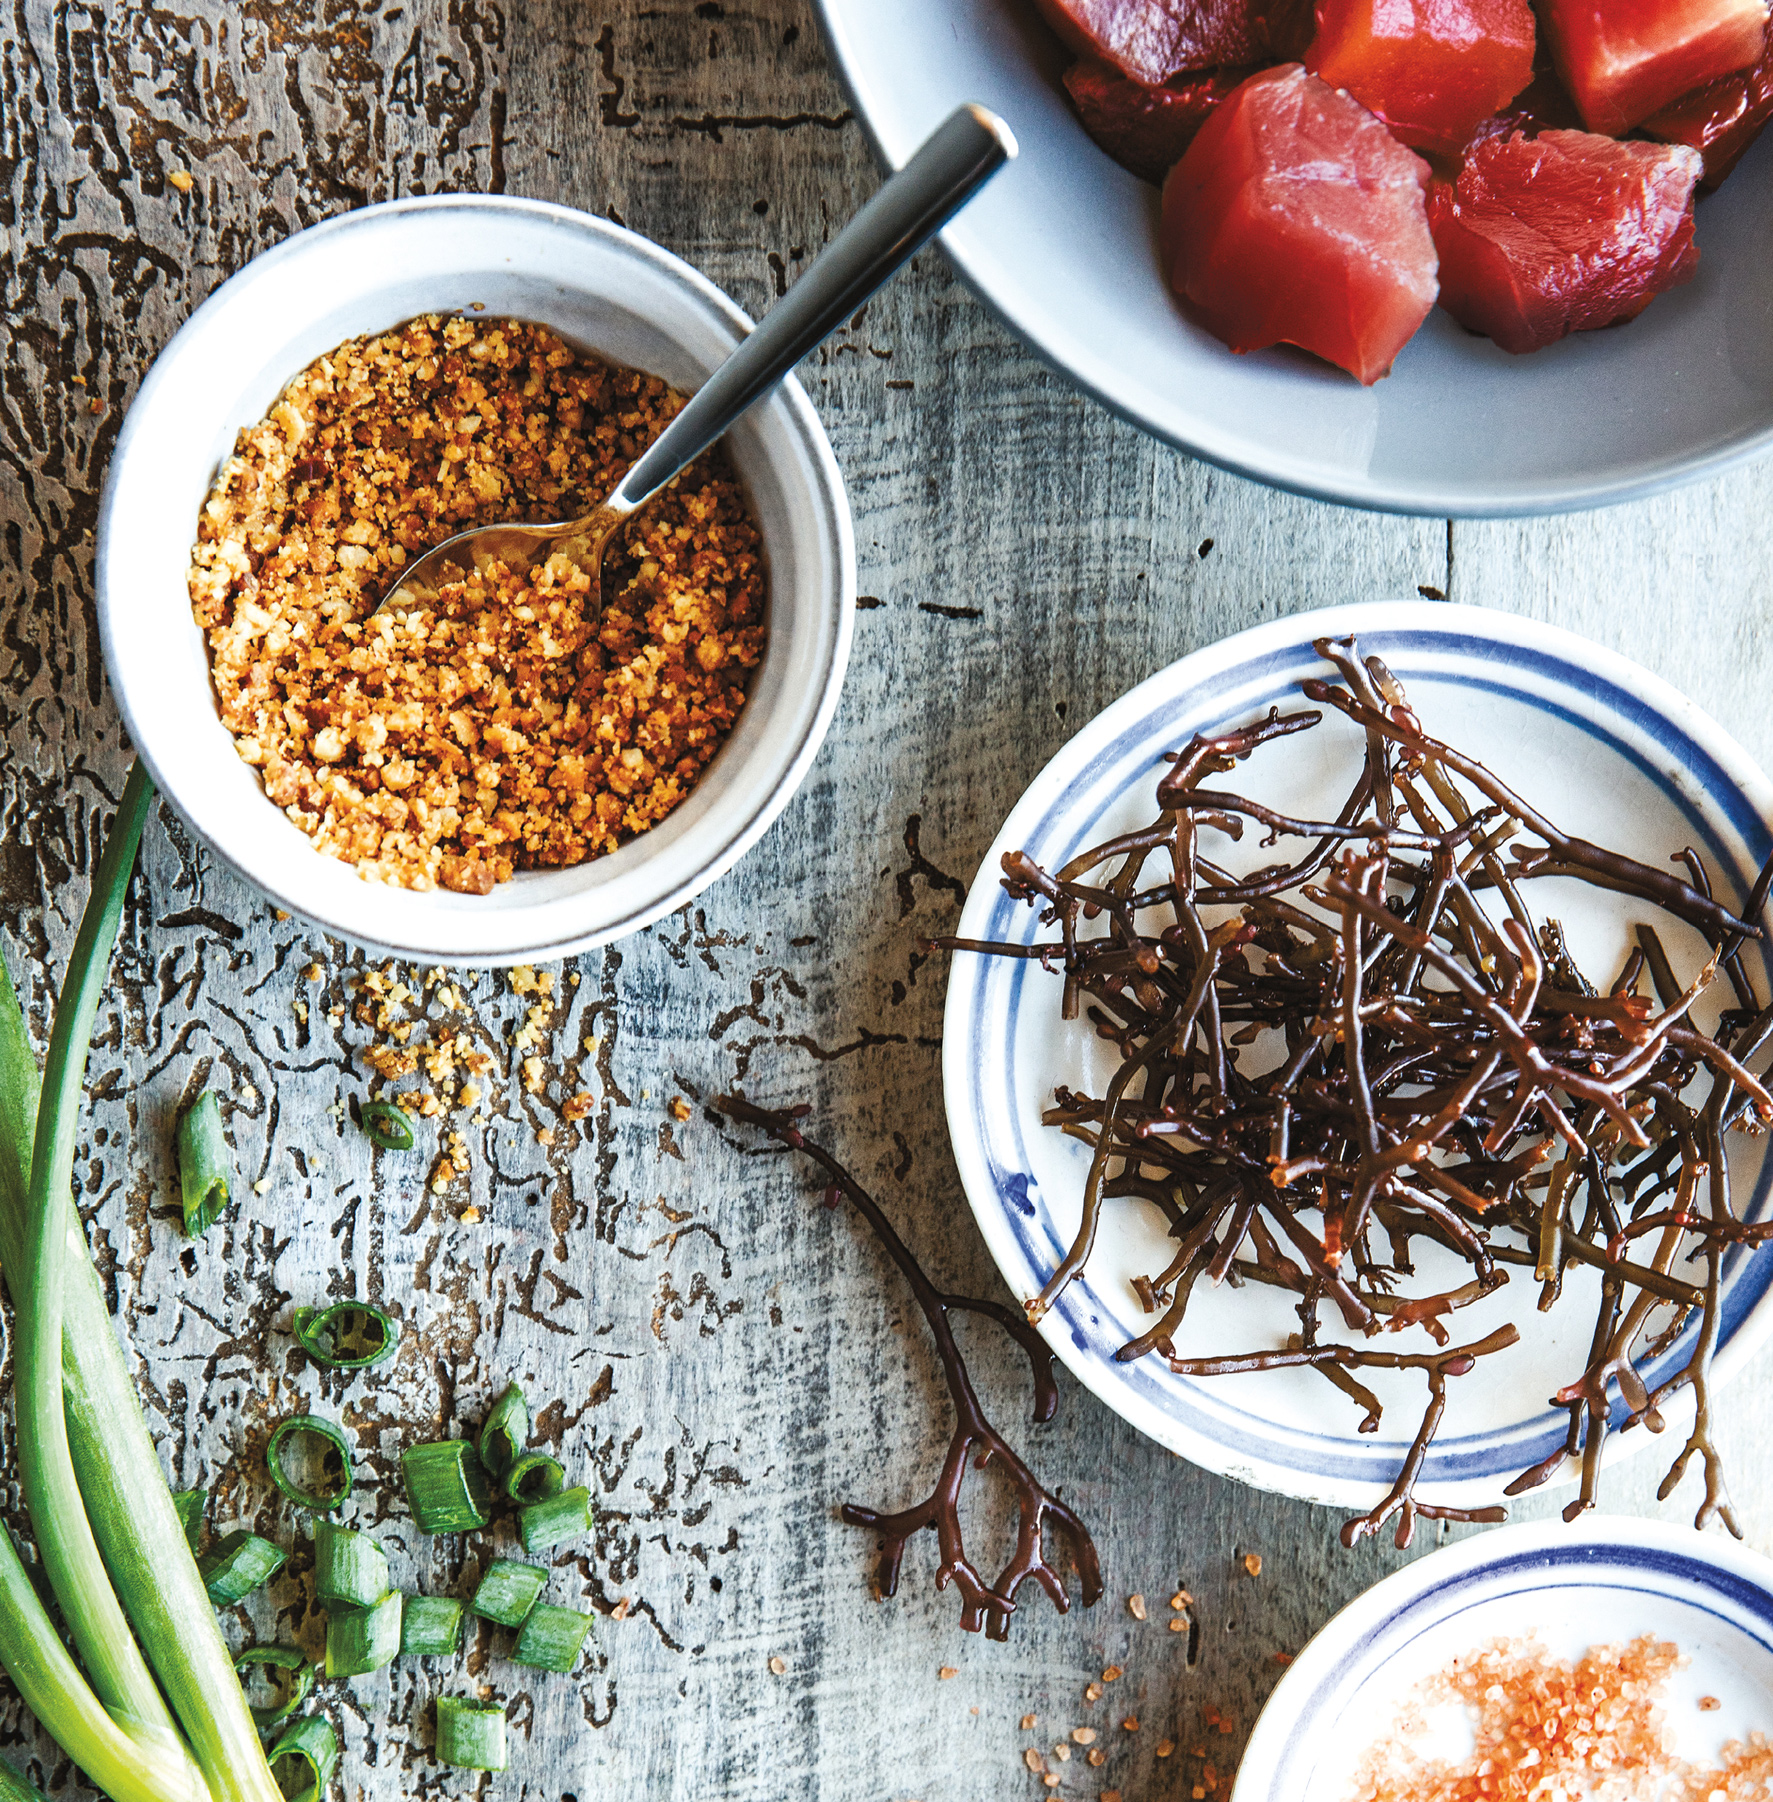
x: 721, y: 1358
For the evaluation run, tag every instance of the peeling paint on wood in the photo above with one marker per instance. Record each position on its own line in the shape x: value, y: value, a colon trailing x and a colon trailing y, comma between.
x: 720, y: 1358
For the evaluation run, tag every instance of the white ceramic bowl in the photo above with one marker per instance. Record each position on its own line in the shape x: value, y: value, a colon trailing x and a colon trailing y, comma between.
x: 1603, y: 1581
x: 1607, y: 750
x: 604, y: 290
x: 1063, y: 244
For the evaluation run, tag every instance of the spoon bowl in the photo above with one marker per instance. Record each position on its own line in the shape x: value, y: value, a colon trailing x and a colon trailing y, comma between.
x: 457, y: 558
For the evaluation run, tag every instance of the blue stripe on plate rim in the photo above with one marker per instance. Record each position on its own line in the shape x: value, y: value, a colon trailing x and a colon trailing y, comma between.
x: 999, y: 986
x: 1670, y: 1563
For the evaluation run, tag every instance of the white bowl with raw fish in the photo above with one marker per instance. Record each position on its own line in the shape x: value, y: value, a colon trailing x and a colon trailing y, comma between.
x: 1461, y: 256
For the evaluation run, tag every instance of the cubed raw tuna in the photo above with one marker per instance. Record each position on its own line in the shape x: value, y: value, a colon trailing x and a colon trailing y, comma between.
x: 1297, y: 218
x: 1540, y: 237
x: 1722, y: 119
x: 1150, y: 40
x: 1146, y: 129
x: 1625, y: 59
x: 1431, y: 69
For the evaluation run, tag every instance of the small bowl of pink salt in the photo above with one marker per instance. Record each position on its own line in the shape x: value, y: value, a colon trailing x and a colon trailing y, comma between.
x: 1618, y: 1659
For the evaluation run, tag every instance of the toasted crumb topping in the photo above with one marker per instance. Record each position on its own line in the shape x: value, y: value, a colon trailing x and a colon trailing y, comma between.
x: 514, y: 724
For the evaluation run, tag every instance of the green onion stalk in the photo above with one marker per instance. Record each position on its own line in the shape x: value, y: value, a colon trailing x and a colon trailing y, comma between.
x: 17, y: 1788
x: 107, y: 1533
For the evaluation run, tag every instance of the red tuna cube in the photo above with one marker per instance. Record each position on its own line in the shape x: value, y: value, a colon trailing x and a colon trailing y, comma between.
x: 1297, y: 218
x: 1565, y: 232
x: 1722, y: 119
x: 1431, y: 69
x: 1146, y: 129
x: 1148, y: 41
x: 1625, y: 59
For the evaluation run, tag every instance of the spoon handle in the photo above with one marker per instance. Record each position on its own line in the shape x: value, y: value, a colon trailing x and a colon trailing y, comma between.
x: 970, y: 146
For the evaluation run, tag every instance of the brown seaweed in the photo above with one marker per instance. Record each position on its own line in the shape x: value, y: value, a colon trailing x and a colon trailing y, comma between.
x: 983, y: 1604
x: 1375, y: 1043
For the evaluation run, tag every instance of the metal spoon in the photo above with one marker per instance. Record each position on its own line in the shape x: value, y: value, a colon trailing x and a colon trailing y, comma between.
x: 962, y: 154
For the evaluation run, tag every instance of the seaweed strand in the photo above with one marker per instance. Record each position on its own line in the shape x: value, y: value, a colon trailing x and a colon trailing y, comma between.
x: 983, y: 1604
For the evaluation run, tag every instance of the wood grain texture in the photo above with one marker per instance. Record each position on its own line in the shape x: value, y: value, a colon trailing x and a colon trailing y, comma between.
x: 721, y: 1358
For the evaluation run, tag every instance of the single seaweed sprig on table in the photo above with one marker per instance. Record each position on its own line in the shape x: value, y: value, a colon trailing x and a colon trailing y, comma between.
x: 987, y: 1605
x: 1375, y: 1044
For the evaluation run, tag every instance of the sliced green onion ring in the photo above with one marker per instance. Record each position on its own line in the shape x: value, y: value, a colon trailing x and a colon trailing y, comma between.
x: 470, y: 1735
x: 349, y: 1568
x: 505, y: 1431
x: 446, y: 1486
x: 556, y: 1519
x: 363, y: 1639
x: 508, y: 1591
x: 386, y: 1126
x: 206, y: 1166
x: 430, y: 1627
x: 350, y: 1335
x: 189, y: 1505
x: 311, y: 1741
x: 307, y: 1428
x: 533, y: 1478
x: 298, y: 1681
x: 551, y: 1638
x: 237, y: 1564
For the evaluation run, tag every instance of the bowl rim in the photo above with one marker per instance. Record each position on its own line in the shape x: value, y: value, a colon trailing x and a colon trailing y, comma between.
x: 1121, y: 394
x: 829, y: 494
x: 1289, y: 1713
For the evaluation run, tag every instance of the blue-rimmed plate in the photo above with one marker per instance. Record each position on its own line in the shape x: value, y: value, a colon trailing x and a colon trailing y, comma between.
x: 1602, y: 1582
x: 1600, y: 745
